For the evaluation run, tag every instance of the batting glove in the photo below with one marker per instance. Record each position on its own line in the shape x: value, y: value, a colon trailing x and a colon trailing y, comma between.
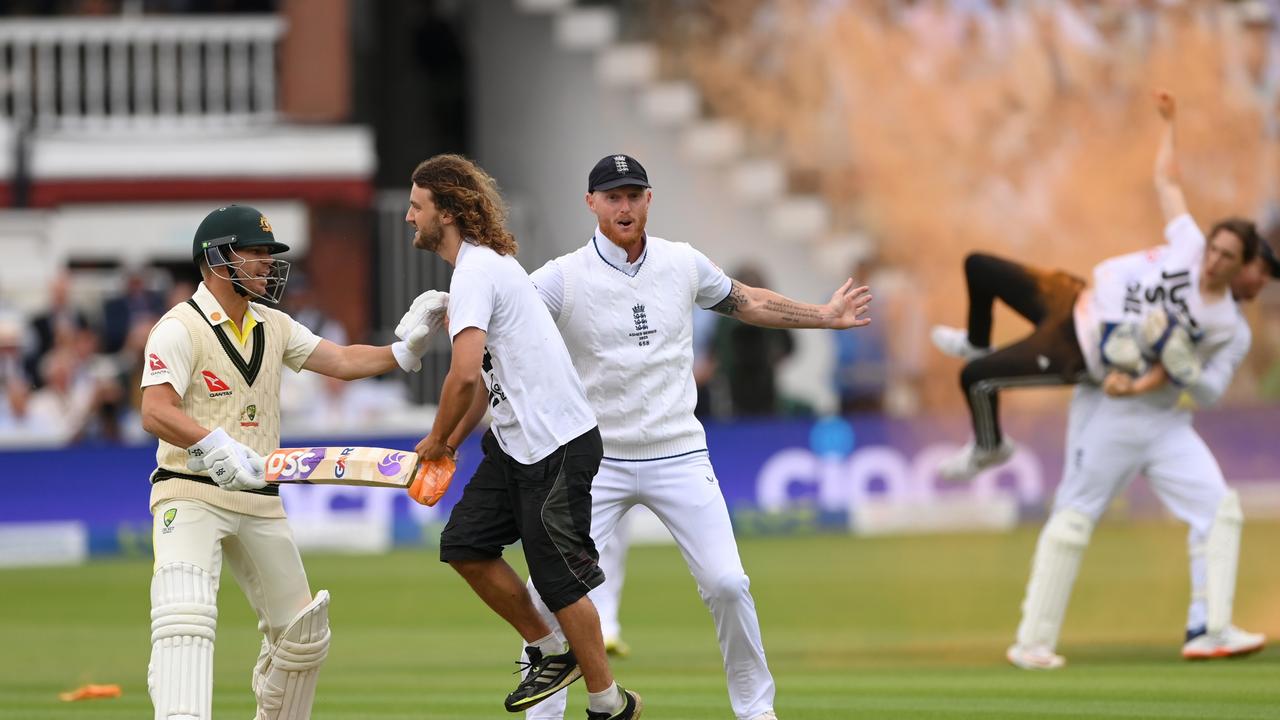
x: 1156, y: 327
x: 1121, y: 350
x: 1179, y: 357
x: 232, y: 465
x: 428, y: 309
x: 424, y: 318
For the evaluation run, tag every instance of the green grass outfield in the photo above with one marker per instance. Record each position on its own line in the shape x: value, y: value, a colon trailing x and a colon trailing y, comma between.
x: 855, y: 628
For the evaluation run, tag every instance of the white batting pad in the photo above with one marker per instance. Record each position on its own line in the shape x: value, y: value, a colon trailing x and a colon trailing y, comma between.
x: 1222, y: 554
x: 184, y: 616
x: 285, y: 679
x: 1053, y: 572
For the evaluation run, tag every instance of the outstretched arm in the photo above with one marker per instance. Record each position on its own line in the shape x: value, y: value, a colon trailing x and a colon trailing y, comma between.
x: 1168, y: 187
x: 350, y: 362
x: 767, y: 308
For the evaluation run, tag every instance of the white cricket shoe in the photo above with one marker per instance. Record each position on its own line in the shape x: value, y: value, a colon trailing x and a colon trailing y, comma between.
x: 1034, y: 658
x: 770, y: 715
x: 1231, y: 642
x: 972, y: 460
x: 954, y: 341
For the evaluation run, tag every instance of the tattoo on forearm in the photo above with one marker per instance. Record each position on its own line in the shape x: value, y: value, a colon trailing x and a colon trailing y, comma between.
x: 733, y: 303
x: 793, y: 313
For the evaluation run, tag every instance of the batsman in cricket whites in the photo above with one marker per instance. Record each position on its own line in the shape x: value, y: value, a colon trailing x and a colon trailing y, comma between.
x: 211, y: 395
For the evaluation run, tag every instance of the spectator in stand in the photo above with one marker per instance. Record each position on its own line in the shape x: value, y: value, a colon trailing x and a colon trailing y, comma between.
x: 183, y: 288
x: 880, y: 371
x: 56, y: 327
x: 15, y: 392
x: 321, y: 405
x: 128, y: 365
x: 302, y: 305
x: 138, y: 304
x: 704, y: 369
x: 312, y: 403
x: 67, y: 403
x: 861, y: 367
x: 747, y: 358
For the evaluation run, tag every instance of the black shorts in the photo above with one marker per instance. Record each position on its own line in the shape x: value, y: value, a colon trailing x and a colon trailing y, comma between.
x: 547, y: 505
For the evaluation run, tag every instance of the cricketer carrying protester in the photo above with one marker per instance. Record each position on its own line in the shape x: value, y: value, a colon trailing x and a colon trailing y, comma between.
x: 209, y: 360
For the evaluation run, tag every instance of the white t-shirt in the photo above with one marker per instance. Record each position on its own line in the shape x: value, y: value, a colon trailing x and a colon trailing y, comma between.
x: 536, y: 401
x: 1129, y: 286
x: 713, y: 283
x: 168, y: 351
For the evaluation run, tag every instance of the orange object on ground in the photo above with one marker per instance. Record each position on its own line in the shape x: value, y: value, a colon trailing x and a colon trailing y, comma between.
x: 91, y: 692
x: 432, y: 480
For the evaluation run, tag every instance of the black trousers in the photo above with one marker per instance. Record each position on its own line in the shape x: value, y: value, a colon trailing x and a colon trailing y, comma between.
x: 1050, y: 355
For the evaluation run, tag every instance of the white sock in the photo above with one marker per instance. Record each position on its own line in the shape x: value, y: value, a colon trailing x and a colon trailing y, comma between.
x: 549, y: 645
x: 608, y: 700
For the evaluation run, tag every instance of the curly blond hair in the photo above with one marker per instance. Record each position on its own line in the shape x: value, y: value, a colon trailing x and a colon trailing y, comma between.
x: 461, y: 189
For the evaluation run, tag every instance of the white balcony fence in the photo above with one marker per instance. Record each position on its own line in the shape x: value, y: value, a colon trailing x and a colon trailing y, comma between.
x: 101, y: 73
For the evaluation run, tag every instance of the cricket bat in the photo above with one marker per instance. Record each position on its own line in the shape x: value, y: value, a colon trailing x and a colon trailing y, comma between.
x: 426, y: 482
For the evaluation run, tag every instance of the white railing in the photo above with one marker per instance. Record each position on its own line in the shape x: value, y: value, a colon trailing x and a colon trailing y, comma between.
x: 139, y: 71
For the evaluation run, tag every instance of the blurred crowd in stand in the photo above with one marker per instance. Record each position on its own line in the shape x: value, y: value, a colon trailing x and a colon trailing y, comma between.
x: 71, y: 371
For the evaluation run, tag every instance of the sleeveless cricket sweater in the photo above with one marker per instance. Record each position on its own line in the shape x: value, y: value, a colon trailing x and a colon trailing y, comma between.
x: 235, y: 387
x: 631, y: 340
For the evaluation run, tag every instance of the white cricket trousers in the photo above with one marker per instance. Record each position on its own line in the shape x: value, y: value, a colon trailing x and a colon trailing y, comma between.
x: 613, y: 563
x: 260, y: 552
x: 684, y: 494
x: 1110, y: 440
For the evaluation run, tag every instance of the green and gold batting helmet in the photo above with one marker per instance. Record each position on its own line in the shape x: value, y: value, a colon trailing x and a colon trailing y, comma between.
x: 237, y: 227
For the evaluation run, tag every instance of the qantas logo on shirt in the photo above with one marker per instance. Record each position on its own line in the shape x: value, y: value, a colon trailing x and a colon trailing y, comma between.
x: 217, y: 386
x: 155, y: 364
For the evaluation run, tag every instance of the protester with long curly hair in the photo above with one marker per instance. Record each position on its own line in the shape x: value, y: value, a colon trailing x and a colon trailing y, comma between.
x: 465, y: 192
x: 541, y: 451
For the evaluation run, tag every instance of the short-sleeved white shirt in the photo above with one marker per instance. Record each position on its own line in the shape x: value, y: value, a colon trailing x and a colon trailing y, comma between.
x: 713, y: 284
x: 1167, y: 276
x: 536, y: 401
x: 1128, y: 286
x: 168, y: 350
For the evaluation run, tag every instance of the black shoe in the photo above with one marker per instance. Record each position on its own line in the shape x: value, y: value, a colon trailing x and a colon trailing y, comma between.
x: 630, y: 709
x: 545, y: 676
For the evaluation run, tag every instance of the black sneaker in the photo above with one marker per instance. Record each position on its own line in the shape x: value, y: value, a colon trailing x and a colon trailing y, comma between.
x: 545, y: 676
x: 630, y: 709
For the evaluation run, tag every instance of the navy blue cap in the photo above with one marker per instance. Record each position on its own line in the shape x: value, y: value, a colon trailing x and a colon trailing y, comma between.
x: 615, y: 171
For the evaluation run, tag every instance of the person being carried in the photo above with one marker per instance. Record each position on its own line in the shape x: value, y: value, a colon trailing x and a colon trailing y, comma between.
x: 1071, y: 343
